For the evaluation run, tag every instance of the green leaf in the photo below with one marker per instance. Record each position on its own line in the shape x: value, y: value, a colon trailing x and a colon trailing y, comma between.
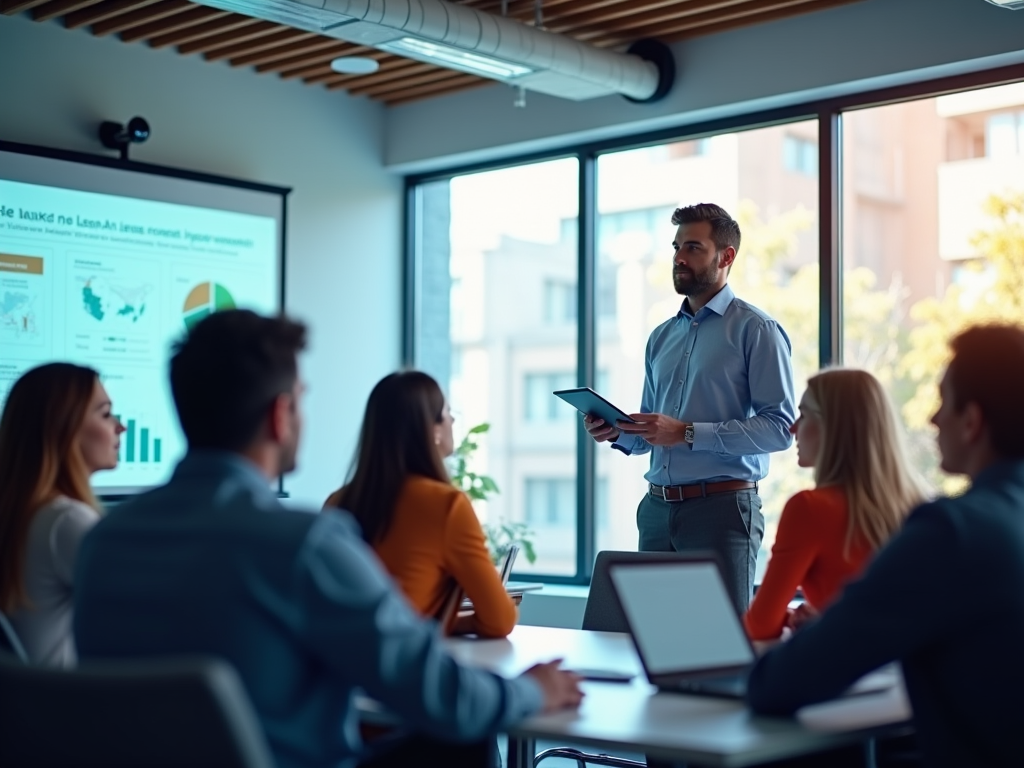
x: 531, y: 555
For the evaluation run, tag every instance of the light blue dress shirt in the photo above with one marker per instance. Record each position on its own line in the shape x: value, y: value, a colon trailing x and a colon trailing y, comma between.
x: 727, y: 371
x: 212, y: 563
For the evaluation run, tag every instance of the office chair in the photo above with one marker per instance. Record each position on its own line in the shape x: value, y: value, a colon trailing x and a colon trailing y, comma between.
x: 161, y: 713
x: 9, y: 641
x: 604, y: 614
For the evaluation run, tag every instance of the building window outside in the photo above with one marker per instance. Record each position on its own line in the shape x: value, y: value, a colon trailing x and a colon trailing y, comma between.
x: 800, y: 155
x: 551, y: 502
x: 559, y: 302
x: 541, y: 405
x: 1004, y: 135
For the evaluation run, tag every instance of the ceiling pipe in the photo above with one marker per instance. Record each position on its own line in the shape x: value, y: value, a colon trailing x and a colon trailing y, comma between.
x: 459, y: 37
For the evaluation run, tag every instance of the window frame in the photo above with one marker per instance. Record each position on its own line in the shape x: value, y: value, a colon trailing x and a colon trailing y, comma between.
x: 827, y: 112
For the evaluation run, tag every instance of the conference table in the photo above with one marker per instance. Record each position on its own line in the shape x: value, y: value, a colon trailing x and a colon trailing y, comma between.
x: 635, y: 717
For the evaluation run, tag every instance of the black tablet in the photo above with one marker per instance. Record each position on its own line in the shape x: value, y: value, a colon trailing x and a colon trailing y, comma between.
x: 602, y: 675
x: 588, y: 402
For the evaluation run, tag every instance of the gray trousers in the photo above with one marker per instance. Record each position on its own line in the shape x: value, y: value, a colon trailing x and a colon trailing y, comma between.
x: 729, y: 524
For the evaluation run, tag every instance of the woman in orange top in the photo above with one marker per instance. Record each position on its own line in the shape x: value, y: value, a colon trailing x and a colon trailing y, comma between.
x: 422, y: 527
x: 849, y: 433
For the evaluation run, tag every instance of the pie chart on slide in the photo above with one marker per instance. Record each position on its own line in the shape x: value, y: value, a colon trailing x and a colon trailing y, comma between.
x: 204, y: 300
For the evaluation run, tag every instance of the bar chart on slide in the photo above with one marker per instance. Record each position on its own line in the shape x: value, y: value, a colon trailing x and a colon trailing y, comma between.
x: 138, y: 444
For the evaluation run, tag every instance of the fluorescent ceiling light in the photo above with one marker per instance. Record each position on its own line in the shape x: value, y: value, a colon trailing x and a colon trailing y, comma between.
x: 456, y: 58
x: 1015, y: 5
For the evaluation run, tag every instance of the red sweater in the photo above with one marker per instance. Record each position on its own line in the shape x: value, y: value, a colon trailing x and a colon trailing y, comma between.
x: 808, y: 553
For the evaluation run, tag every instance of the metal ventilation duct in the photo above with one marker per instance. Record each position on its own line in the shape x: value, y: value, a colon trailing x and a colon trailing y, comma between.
x: 463, y: 38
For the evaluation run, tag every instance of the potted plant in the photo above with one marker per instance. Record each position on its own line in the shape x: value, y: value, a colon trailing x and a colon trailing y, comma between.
x: 500, y: 535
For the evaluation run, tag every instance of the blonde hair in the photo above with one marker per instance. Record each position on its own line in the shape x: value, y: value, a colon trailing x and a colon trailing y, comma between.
x: 862, y: 451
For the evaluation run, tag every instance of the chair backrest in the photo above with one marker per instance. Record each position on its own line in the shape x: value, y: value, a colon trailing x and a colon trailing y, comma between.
x: 448, y: 614
x: 603, y: 612
x: 9, y: 641
x: 161, y: 713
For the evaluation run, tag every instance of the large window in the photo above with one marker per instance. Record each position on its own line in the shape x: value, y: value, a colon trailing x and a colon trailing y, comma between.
x: 498, y: 284
x: 751, y: 175
x: 872, y: 234
x: 933, y: 201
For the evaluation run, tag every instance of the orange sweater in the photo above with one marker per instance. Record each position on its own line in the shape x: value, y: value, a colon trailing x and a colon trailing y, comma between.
x: 808, y: 553
x: 435, y: 536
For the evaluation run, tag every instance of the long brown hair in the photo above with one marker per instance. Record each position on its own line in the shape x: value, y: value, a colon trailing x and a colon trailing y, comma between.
x: 396, y: 441
x: 40, y: 459
x: 862, y: 451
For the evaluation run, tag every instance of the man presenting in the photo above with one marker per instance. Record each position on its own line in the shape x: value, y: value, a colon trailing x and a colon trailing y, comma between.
x: 718, y: 398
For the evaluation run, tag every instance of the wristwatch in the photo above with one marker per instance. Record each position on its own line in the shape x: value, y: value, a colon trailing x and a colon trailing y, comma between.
x: 688, y: 434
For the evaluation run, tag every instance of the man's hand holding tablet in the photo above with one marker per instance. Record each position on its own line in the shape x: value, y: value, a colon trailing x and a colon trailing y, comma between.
x: 600, y: 430
x: 601, y: 418
x: 655, y: 428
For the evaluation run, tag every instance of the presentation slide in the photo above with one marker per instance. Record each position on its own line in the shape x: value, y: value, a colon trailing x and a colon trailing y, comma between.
x: 111, y: 281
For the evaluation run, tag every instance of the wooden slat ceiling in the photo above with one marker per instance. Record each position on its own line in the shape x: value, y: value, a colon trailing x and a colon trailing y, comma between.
x: 291, y: 53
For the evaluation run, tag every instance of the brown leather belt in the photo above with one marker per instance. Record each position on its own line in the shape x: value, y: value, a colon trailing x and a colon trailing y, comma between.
x: 698, y: 490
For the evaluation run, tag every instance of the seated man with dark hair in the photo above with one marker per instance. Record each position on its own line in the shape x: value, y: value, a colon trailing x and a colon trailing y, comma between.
x: 212, y: 563
x: 945, y: 597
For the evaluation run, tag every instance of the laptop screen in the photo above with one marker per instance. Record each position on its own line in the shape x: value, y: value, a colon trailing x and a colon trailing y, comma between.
x: 681, y: 617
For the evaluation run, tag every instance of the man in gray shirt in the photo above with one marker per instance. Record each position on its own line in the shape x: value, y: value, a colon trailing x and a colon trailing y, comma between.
x: 212, y: 563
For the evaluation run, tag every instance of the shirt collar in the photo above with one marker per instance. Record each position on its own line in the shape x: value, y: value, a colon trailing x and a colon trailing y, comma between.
x: 1001, y: 471
x: 718, y: 304
x: 222, y: 465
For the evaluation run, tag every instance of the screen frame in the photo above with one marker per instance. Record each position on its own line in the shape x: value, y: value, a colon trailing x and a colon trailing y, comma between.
x: 671, y: 679
x: 133, y: 166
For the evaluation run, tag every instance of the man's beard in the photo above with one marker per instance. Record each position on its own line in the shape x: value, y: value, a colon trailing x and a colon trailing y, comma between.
x: 695, y: 283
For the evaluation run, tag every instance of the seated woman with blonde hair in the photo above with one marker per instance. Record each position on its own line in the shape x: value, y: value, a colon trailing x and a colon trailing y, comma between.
x: 56, y: 431
x: 849, y: 433
x: 422, y: 527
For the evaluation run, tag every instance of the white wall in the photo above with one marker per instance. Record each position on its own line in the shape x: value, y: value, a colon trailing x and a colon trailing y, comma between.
x: 344, y: 227
x: 856, y: 47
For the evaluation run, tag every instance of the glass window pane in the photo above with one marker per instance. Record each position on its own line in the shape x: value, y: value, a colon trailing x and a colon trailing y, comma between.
x: 1001, y: 140
x: 497, y: 327
x: 765, y: 178
x: 933, y: 244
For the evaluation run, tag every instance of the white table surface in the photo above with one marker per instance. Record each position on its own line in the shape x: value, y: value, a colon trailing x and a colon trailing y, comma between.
x: 634, y: 717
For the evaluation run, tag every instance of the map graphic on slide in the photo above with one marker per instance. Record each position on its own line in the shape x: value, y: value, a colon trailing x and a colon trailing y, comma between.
x: 16, y: 313
x: 104, y: 301
x: 205, y: 299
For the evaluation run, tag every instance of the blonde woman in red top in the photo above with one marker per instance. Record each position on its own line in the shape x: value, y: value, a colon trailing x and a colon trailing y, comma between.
x: 849, y: 433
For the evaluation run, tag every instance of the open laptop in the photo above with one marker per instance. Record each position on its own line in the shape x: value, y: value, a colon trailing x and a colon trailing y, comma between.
x: 687, y: 632
x: 685, y: 628
x: 504, y: 571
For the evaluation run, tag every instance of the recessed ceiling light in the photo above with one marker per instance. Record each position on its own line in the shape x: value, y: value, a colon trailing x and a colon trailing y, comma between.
x: 1015, y: 5
x: 355, y: 65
